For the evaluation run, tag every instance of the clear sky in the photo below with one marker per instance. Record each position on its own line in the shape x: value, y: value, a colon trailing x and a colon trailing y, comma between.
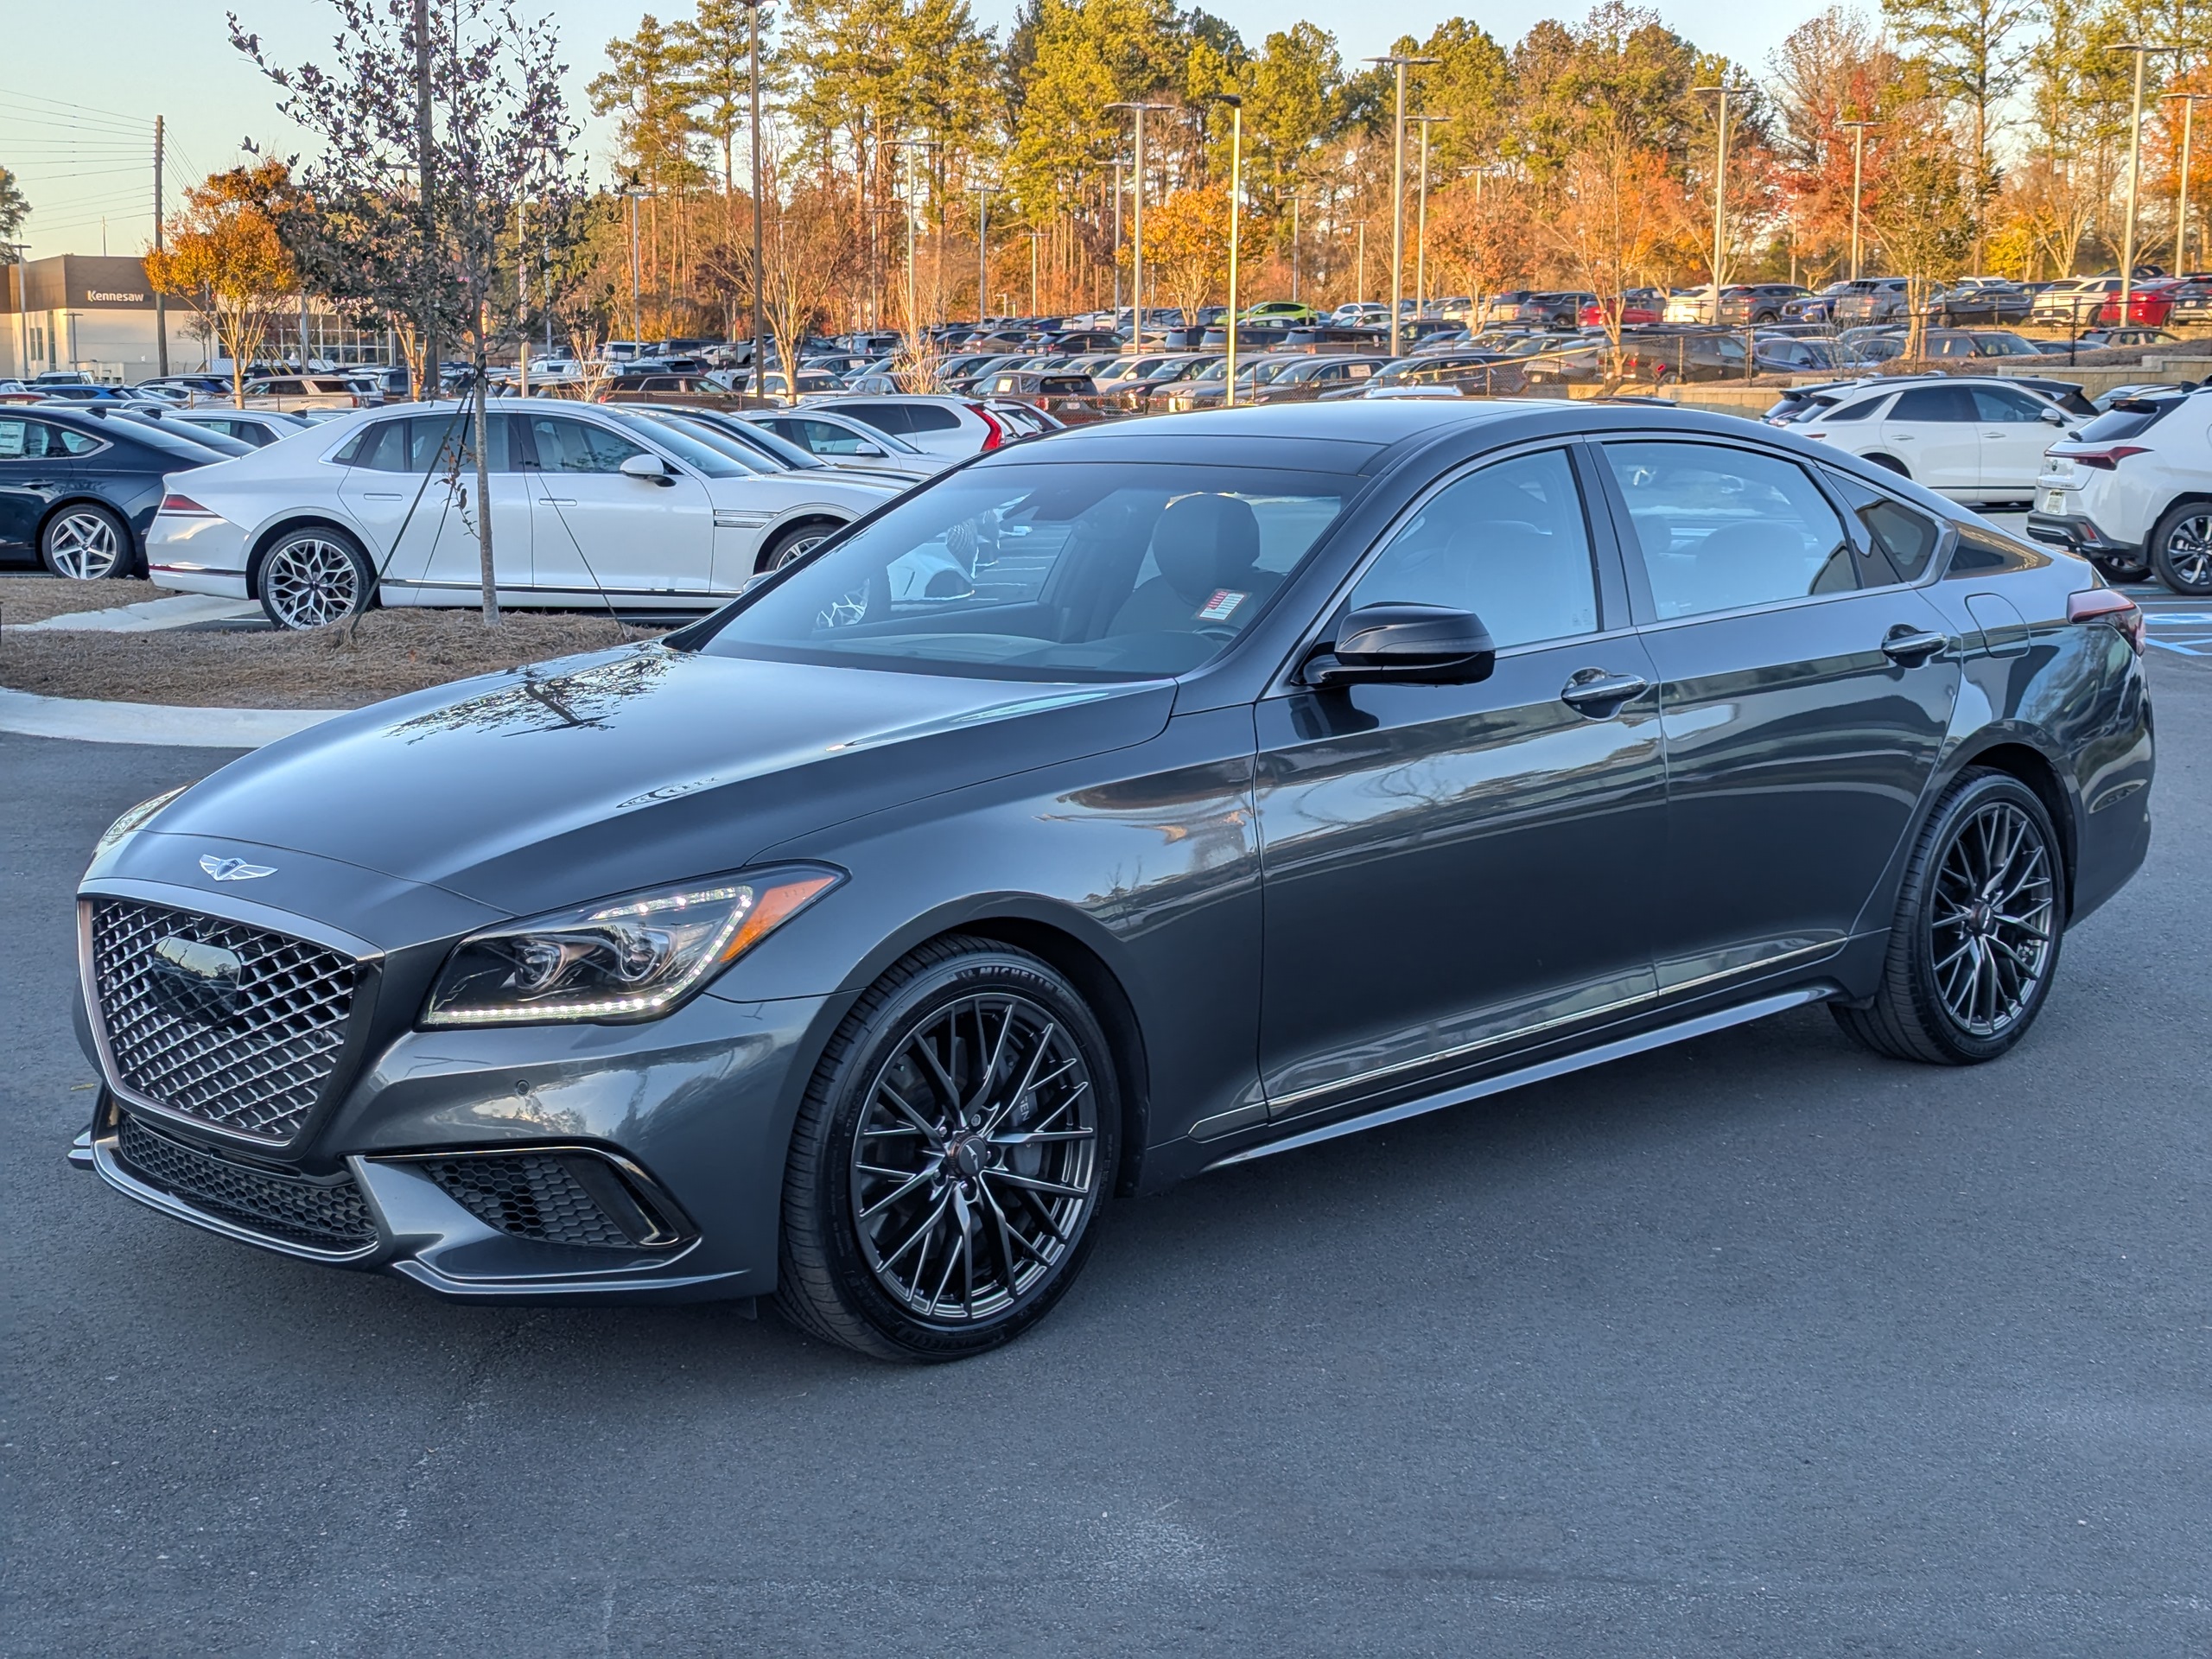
x: 80, y: 80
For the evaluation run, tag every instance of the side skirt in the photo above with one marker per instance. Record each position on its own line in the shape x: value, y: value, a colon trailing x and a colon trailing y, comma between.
x: 1682, y: 1031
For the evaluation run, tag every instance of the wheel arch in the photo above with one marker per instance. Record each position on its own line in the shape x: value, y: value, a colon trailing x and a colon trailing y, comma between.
x: 2180, y: 498
x: 2023, y: 762
x: 257, y: 550
x: 807, y: 518
x: 1884, y: 458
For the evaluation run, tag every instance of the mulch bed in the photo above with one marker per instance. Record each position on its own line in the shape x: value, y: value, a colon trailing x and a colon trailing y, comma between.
x: 33, y: 599
x: 394, y: 652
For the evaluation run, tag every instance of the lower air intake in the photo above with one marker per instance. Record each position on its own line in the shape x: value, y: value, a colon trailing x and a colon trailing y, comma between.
x: 555, y: 1198
x: 325, y: 1215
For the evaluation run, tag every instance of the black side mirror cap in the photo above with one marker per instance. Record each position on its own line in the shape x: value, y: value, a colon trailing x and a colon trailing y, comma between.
x: 1423, y: 645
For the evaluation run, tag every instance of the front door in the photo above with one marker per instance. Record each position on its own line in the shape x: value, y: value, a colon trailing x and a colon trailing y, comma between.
x: 2014, y: 435
x: 602, y: 534
x: 1451, y: 868
x: 1805, y: 696
x: 1936, y: 432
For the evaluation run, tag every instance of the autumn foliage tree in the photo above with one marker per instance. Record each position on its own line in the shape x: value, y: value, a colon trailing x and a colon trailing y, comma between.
x: 226, y: 257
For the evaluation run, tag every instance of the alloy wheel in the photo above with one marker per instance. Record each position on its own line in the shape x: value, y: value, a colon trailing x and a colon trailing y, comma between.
x: 83, y: 546
x: 2188, y: 551
x: 310, y: 582
x: 974, y: 1163
x: 1992, y: 919
x: 798, y: 547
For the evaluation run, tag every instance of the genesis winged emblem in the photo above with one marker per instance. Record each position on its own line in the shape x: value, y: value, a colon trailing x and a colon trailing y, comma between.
x: 233, y: 869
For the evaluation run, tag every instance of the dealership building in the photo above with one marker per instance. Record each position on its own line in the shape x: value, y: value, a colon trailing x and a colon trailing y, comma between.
x: 99, y: 315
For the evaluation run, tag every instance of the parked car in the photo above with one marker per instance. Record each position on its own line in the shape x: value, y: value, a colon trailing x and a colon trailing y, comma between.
x: 1134, y: 396
x: 2149, y: 304
x: 1309, y: 377
x: 1072, y: 398
x: 941, y: 425
x: 2192, y: 300
x: 1879, y: 299
x: 855, y: 946
x: 590, y: 505
x: 257, y: 427
x: 78, y: 491
x: 291, y: 391
x: 1636, y: 306
x: 1209, y: 387
x: 1283, y: 314
x: 2000, y: 342
x: 1795, y: 355
x: 2073, y: 303
x: 1452, y: 373
x: 2128, y: 490
x: 1676, y: 358
x: 2102, y: 339
x: 837, y: 440
x: 758, y: 447
x: 1982, y: 299
x: 1755, y: 302
x: 1970, y: 439
x: 1815, y: 308
x: 1553, y: 309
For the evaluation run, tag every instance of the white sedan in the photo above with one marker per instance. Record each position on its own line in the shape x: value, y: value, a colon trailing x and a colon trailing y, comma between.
x: 590, y: 506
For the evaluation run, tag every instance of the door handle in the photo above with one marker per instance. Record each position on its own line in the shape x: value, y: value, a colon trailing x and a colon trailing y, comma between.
x: 1599, y: 695
x: 1910, y: 646
x: 558, y: 500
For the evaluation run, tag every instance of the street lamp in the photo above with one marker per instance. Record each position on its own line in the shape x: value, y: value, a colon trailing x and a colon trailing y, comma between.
x: 1421, y: 235
x: 1720, y: 201
x: 1120, y: 161
x: 1034, y: 238
x: 1398, y: 188
x: 1136, y: 227
x: 2134, y: 170
x: 633, y: 189
x: 913, y: 309
x: 982, y: 251
x: 1859, y: 130
x: 2188, y: 103
x: 1235, y: 189
x: 753, y: 79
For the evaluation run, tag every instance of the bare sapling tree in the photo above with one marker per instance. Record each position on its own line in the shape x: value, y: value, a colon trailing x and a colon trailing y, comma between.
x: 436, y: 124
x: 807, y: 260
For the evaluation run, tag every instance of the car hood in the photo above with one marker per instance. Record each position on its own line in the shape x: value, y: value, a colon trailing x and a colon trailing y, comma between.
x: 564, y: 782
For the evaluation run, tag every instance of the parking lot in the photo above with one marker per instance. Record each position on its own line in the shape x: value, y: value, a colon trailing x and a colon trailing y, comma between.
x: 1759, y: 1344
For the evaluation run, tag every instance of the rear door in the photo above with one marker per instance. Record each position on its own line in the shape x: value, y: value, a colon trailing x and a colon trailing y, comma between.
x: 34, y: 468
x: 1935, y: 431
x: 398, y: 496
x: 1804, y: 694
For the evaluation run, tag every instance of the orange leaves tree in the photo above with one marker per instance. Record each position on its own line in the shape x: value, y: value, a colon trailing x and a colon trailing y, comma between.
x: 226, y: 259
x: 1616, y: 219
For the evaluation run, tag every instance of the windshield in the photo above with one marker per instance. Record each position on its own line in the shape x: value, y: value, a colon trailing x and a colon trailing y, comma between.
x: 762, y: 438
x: 1046, y: 571
x: 712, y: 453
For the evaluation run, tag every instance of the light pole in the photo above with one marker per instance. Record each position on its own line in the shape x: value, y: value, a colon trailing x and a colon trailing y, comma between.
x: 1136, y: 225
x: 1293, y: 247
x: 1398, y: 188
x: 634, y: 190
x: 1859, y: 130
x: 753, y: 79
x: 914, y: 307
x: 1420, y: 234
x: 1034, y: 237
x: 2134, y: 171
x: 1235, y: 189
x: 1719, y: 199
x: 2188, y: 102
x: 982, y: 252
x: 1120, y: 161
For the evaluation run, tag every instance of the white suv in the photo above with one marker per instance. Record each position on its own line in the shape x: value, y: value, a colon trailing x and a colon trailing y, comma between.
x: 1975, y: 440
x: 2132, y: 491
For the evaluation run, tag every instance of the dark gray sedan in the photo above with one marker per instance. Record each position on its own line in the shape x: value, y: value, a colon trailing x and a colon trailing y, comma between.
x: 1114, y: 808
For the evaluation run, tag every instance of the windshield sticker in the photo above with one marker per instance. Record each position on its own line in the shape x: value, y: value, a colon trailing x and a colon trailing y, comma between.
x: 1218, y: 608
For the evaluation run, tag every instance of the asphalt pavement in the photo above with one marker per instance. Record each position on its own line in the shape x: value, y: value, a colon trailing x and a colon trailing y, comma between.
x: 1759, y: 1345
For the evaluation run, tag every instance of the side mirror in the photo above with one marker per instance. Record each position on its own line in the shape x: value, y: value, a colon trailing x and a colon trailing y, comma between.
x: 867, y: 449
x: 652, y: 469
x: 2051, y: 418
x: 1423, y: 645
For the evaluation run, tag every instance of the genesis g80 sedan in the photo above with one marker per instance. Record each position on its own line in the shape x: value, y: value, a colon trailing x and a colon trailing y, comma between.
x: 1113, y: 808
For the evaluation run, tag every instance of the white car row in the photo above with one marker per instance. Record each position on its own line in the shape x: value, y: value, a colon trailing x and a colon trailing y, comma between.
x: 643, y: 510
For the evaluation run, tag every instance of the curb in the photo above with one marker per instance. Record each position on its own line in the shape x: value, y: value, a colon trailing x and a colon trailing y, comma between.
x: 90, y: 721
x: 147, y: 616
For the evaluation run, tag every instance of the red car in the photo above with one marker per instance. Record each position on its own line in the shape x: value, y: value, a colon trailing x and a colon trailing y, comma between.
x: 2151, y: 304
x: 1638, y: 305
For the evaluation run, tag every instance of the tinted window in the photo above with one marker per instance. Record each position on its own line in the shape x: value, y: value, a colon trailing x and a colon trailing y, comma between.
x: 819, y: 437
x: 1720, y: 528
x: 72, y: 442
x: 567, y: 446
x: 1983, y: 553
x: 1858, y: 411
x: 1507, y: 543
x: 1907, y: 538
x: 890, y: 417
x: 28, y: 441
x: 412, y: 445
x: 712, y: 451
x: 2126, y: 418
x: 1066, y: 571
x: 1933, y: 403
x: 931, y: 417
x: 2000, y: 406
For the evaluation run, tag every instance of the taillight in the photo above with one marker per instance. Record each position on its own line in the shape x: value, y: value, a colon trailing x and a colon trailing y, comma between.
x: 2108, y: 459
x: 2103, y: 605
x: 994, y: 434
x: 185, y: 505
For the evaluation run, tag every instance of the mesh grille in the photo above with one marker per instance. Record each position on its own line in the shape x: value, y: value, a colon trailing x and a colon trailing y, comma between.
x: 321, y: 1214
x: 530, y: 1195
x: 249, y: 1049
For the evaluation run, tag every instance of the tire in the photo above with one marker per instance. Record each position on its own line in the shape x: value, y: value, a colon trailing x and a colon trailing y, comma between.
x: 2181, y: 549
x: 790, y: 545
x: 84, y: 542
x: 2120, y: 569
x: 313, y: 576
x: 1011, y: 1195
x: 1974, y: 945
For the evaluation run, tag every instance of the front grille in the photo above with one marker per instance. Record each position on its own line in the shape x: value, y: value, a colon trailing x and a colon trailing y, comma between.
x: 244, y: 1036
x: 560, y: 1198
x: 327, y: 1215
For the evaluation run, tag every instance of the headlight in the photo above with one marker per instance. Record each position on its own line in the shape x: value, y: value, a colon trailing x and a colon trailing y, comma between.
x: 634, y: 957
x: 134, y: 819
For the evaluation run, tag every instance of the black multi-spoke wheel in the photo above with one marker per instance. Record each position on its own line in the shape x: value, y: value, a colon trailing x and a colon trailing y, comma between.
x: 950, y: 1158
x: 2181, y: 549
x: 1975, y: 941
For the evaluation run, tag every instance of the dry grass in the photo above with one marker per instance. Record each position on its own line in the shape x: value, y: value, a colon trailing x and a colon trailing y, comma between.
x: 395, y: 651
x: 34, y: 598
